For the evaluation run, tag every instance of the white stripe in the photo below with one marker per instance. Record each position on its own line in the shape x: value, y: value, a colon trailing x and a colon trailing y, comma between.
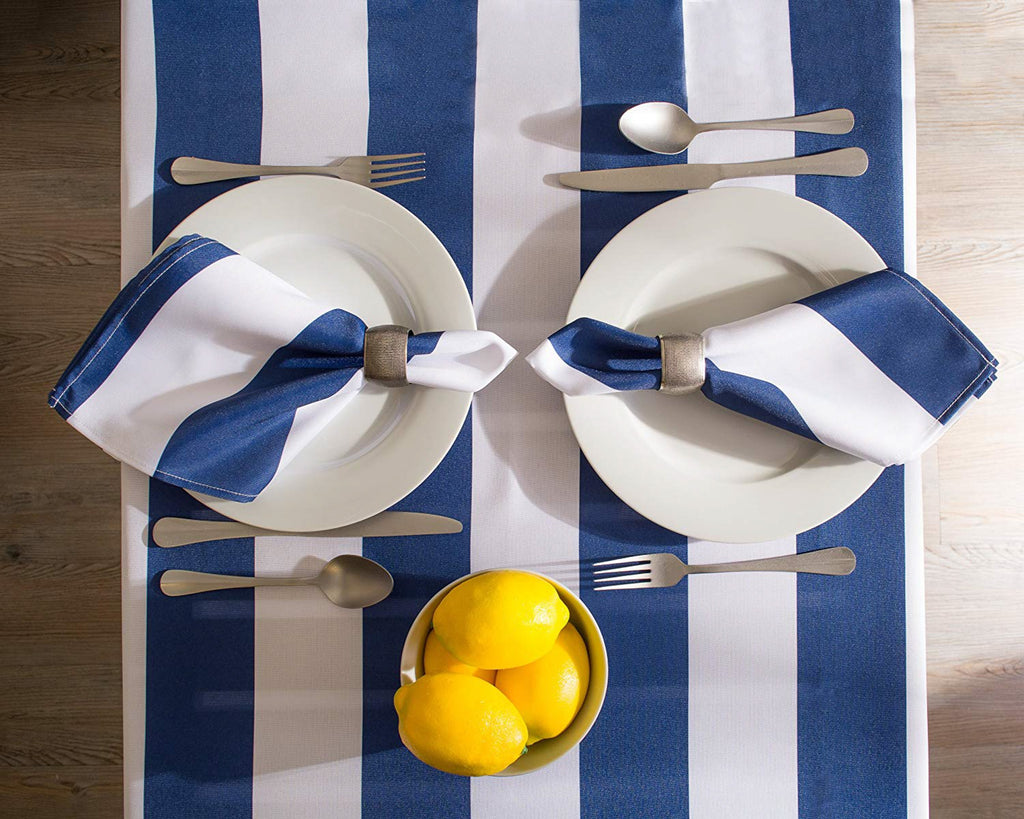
x: 743, y: 688
x: 917, y: 705
x: 550, y: 366
x: 307, y: 726
x: 464, y: 360
x: 167, y: 375
x: 909, y: 137
x: 138, y: 145
x: 134, y: 551
x: 917, y: 668
x: 742, y: 632
x: 525, y: 269
x: 310, y: 419
x: 845, y: 400
x: 315, y: 80
x: 738, y: 66
x: 308, y: 694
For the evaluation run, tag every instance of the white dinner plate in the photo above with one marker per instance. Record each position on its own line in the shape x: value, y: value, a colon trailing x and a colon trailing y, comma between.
x: 353, y: 248
x: 695, y: 262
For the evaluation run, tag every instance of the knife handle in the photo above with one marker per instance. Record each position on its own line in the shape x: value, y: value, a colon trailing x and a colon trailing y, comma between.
x: 842, y: 162
x: 170, y: 532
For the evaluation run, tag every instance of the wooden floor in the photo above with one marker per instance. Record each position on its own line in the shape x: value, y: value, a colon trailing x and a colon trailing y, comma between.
x: 60, y: 717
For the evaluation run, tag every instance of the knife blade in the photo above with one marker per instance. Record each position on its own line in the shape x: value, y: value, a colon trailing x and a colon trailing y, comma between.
x: 171, y: 532
x: 680, y: 177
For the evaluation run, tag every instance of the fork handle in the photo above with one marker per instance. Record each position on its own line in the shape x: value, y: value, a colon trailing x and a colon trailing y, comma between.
x: 836, y: 561
x: 191, y: 170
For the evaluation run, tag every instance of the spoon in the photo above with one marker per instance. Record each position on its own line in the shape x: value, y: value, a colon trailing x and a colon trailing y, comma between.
x: 349, y: 581
x: 665, y: 128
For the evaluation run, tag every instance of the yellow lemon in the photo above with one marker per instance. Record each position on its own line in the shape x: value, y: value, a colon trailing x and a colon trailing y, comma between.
x: 459, y: 724
x: 549, y: 692
x: 500, y: 619
x: 436, y: 659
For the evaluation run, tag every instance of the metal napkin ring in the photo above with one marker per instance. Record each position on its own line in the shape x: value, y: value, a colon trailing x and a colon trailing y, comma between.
x: 384, y: 354
x: 682, y: 363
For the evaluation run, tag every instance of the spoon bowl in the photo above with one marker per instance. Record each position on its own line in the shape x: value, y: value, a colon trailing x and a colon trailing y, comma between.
x: 659, y: 127
x: 354, y: 582
x: 665, y: 128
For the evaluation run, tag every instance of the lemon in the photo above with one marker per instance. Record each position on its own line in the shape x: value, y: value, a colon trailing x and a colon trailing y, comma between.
x: 436, y: 659
x: 549, y: 692
x: 459, y: 724
x: 500, y: 619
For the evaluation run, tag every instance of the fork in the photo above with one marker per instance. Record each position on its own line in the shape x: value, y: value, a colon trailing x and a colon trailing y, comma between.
x: 371, y: 171
x: 660, y: 570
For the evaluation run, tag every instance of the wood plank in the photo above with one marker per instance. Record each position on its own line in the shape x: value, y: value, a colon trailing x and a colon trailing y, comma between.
x: 60, y: 718
x: 969, y: 75
x: 980, y: 782
x: 79, y: 791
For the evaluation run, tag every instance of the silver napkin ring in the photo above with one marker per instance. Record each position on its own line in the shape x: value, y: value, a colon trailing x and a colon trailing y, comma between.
x: 682, y: 363
x: 385, y: 350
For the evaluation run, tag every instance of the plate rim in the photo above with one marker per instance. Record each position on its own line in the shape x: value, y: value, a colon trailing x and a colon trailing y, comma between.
x: 456, y: 403
x: 863, y: 474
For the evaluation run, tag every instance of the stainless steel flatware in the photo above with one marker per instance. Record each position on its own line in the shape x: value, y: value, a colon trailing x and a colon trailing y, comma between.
x: 371, y: 171
x: 682, y: 177
x: 349, y: 581
x: 665, y: 128
x: 170, y: 532
x: 659, y: 570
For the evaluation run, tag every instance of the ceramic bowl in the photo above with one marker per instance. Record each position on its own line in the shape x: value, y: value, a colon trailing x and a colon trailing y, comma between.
x: 545, y: 751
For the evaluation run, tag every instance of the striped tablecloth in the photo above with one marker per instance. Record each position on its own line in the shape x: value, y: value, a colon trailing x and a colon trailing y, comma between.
x: 730, y: 696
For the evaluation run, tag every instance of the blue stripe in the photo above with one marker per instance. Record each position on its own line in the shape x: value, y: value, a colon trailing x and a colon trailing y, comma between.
x: 209, y: 100
x: 617, y: 358
x: 755, y: 398
x: 851, y: 652
x: 128, y: 316
x: 422, y: 344
x: 231, y: 448
x: 422, y: 69
x: 910, y: 336
x: 634, y: 761
x: 851, y: 661
x: 199, y: 675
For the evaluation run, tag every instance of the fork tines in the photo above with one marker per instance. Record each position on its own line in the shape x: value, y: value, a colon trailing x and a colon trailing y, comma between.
x: 635, y: 568
x: 619, y: 560
x: 382, y: 168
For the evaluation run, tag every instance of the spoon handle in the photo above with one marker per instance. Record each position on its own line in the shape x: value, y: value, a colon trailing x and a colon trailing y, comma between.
x: 833, y: 121
x: 176, y: 582
x: 835, y: 561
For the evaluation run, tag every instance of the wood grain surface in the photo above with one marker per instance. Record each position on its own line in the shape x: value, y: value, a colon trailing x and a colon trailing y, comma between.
x: 60, y: 714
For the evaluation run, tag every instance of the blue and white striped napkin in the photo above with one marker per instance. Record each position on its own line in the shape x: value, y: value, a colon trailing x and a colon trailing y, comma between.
x: 877, y: 367
x: 211, y: 373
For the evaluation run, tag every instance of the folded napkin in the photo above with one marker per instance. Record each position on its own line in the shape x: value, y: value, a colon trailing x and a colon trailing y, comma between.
x: 211, y: 373
x: 877, y: 367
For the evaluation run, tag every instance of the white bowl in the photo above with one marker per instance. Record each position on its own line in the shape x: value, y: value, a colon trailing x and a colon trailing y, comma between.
x: 545, y: 751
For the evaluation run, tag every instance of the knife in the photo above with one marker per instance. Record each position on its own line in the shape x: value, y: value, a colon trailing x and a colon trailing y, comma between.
x: 842, y: 162
x: 170, y: 532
